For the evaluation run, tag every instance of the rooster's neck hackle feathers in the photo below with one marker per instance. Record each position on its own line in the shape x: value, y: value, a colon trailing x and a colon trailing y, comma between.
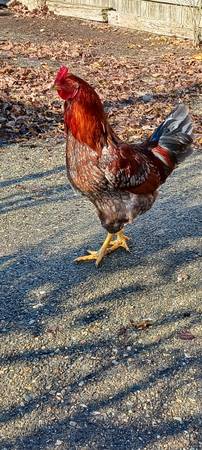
x: 85, y: 116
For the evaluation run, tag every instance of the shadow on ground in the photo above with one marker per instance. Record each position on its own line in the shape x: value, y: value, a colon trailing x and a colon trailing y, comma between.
x: 102, y: 405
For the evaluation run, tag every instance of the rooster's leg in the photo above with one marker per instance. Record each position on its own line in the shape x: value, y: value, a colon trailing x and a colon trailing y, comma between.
x: 99, y: 255
x: 121, y: 241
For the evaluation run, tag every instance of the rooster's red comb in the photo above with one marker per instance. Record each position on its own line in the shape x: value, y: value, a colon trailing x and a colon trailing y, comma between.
x: 62, y: 73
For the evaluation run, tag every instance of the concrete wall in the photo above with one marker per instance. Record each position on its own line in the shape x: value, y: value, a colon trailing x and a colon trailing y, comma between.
x: 167, y: 17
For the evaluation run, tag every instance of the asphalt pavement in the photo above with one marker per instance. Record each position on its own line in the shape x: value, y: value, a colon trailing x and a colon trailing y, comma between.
x: 78, y: 369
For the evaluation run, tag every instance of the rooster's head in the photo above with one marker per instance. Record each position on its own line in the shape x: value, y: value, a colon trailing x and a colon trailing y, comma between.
x: 66, y: 84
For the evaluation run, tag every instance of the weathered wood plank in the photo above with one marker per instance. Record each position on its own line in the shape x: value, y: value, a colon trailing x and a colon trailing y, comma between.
x: 98, y: 3
x: 32, y: 4
x: 137, y: 23
x: 88, y: 12
x: 167, y: 17
x: 178, y: 2
x: 154, y: 16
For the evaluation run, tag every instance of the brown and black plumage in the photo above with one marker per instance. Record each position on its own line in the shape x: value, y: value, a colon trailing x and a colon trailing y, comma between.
x: 121, y: 180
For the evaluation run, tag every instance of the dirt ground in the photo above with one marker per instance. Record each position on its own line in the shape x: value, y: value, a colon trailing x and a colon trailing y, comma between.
x: 47, y: 28
x: 138, y: 76
x: 78, y: 369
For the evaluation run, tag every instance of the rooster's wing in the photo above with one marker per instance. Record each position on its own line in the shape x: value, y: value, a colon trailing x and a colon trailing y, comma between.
x: 129, y: 169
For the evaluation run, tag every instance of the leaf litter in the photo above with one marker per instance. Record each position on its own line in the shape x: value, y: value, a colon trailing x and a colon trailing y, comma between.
x: 186, y: 335
x: 136, y: 95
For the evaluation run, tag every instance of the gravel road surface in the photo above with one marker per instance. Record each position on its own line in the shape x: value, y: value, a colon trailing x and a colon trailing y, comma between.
x: 78, y: 370
x: 75, y: 371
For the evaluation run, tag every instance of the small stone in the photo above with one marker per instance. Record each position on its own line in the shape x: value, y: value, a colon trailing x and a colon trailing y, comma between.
x: 72, y: 423
x: 58, y: 442
x: 114, y: 362
x: 81, y: 383
x: 31, y: 321
x: 63, y: 392
x: 115, y: 350
x: 28, y: 397
x: 178, y: 419
x: 110, y: 412
x: 125, y: 419
x: 147, y: 98
x: 59, y: 395
x: 38, y: 305
x: 182, y: 277
x: 187, y: 355
x: 96, y: 413
x: 129, y: 348
x: 129, y: 404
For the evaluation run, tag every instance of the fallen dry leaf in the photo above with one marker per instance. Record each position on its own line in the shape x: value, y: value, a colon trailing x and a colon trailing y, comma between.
x: 143, y: 324
x: 199, y: 140
x: 136, y: 96
x: 186, y: 335
x: 198, y: 56
x: 182, y: 277
x: 123, y: 331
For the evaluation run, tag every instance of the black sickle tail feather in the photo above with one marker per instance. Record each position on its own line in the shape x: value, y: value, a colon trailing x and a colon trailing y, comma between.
x: 173, y: 137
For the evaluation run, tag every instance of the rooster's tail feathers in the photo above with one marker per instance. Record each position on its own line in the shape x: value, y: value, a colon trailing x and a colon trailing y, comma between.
x: 173, y: 137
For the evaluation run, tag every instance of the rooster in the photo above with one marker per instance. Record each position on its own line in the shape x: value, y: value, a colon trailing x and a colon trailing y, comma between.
x: 120, y: 179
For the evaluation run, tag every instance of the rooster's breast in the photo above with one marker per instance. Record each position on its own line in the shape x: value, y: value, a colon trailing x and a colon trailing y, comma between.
x: 82, y: 167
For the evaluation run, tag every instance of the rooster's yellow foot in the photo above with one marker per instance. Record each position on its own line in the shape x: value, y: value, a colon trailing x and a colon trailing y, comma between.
x: 120, y: 241
x: 92, y: 255
x: 97, y: 255
x: 108, y: 246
